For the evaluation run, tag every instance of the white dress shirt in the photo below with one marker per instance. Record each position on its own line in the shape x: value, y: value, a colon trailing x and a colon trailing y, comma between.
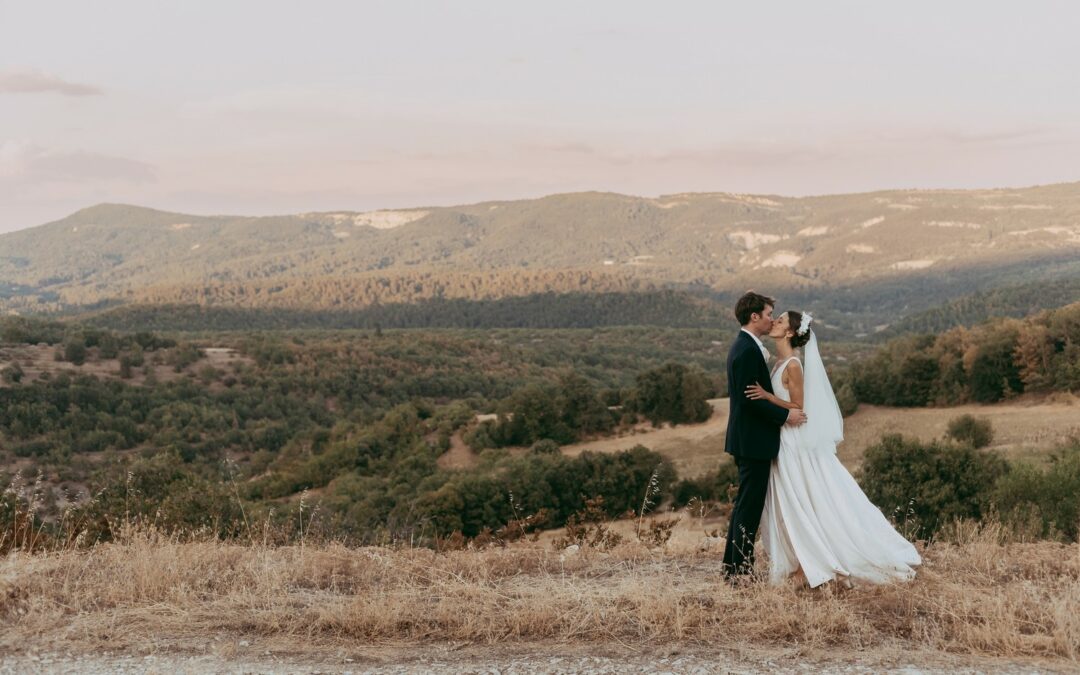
x: 761, y: 346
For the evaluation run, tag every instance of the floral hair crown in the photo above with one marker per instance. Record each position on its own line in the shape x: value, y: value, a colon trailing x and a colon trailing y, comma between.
x: 804, y: 325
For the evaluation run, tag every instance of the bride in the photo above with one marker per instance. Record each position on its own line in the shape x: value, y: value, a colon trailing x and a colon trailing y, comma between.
x: 816, y: 520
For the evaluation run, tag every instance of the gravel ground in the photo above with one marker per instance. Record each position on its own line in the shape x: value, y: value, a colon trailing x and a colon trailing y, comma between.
x: 525, y: 662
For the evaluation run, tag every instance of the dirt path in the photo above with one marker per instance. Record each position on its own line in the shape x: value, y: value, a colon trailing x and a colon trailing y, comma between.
x: 693, y: 448
x: 459, y: 456
x: 523, y: 659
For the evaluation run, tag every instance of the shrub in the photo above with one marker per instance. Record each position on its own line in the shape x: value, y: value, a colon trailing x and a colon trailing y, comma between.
x: 36, y: 448
x: 125, y: 367
x: 1052, y: 495
x: 559, y: 486
x: 209, y: 374
x: 846, y: 399
x: 712, y: 487
x: 12, y: 374
x: 136, y: 357
x: 108, y: 346
x: 163, y: 490
x: 545, y: 446
x: 22, y: 330
x: 479, y: 438
x: 588, y: 527
x: 96, y: 441
x: 979, y: 433
x: 930, y: 484
x: 182, y: 357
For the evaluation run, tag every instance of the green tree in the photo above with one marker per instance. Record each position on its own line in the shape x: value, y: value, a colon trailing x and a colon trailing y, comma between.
x: 994, y: 373
x: 581, y: 407
x: 673, y: 393
x: 75, y: 351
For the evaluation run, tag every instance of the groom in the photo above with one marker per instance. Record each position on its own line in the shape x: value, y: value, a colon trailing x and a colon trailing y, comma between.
x: 753, y: 431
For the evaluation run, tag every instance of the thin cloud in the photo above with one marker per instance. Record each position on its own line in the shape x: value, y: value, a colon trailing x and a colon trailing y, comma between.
x: 745, y: 154
x: 30, y: 81
x: 748, y: 153
x: 26, y: 163
x: 1033, y: 135
x: 572, y: 147
x: 310, y: 101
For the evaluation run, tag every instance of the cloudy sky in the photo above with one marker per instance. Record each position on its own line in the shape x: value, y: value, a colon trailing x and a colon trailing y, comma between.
x: 271, y: 107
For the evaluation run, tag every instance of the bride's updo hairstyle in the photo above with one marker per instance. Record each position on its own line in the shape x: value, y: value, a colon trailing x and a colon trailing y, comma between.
x: 794, y: 321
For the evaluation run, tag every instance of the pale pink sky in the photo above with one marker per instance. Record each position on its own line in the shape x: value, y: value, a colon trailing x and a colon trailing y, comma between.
x: 272, y: 107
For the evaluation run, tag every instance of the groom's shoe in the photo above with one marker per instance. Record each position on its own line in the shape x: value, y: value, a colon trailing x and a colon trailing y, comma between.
x: 742, y: 580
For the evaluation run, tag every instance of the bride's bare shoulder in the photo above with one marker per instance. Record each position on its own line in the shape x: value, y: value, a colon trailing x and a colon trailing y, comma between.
x: 793, y: 370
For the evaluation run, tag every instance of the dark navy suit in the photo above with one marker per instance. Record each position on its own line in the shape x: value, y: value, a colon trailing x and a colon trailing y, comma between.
x: 753, y: 438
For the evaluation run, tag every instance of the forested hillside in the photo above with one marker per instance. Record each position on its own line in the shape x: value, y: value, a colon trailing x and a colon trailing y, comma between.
x: 545, y: 310
x: 1014, y: 301
x: 894, y: 252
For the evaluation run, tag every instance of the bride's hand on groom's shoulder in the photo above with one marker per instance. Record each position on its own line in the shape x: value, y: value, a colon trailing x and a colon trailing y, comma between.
x: 796, y: 418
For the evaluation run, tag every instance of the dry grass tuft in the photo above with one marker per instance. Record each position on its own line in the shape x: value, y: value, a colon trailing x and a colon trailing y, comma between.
x: 980, y: 595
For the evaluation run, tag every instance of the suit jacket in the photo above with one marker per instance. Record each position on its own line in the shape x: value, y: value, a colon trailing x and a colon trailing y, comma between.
x: 753, y: 429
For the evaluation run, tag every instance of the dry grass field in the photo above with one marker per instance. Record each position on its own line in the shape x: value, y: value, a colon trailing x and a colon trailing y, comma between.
x: 1022, y: 429
x: 979, y: 600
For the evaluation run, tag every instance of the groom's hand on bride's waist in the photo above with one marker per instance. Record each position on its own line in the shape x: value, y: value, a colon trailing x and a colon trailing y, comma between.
x: 795, y: 418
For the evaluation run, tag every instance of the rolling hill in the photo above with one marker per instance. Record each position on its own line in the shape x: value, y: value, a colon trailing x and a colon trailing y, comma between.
x: 883, y: 253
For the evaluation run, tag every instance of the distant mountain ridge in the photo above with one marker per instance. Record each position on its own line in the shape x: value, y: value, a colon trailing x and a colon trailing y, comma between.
x: 584, y: 242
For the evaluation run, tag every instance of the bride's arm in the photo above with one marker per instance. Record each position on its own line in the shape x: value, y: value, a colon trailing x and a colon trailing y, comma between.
x: 793, y: 381
x: 756, y: 392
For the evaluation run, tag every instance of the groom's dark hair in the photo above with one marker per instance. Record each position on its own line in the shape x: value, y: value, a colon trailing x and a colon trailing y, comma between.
x: 752, y: 303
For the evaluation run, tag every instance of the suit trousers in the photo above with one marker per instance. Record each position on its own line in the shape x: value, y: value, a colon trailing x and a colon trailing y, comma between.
x: 746, y: 516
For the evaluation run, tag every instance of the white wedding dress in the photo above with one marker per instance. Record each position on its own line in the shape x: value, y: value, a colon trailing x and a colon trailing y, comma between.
x: 816, y: 517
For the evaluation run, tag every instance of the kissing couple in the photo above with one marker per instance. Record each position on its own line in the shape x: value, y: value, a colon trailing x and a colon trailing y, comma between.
x: 783, y: 427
